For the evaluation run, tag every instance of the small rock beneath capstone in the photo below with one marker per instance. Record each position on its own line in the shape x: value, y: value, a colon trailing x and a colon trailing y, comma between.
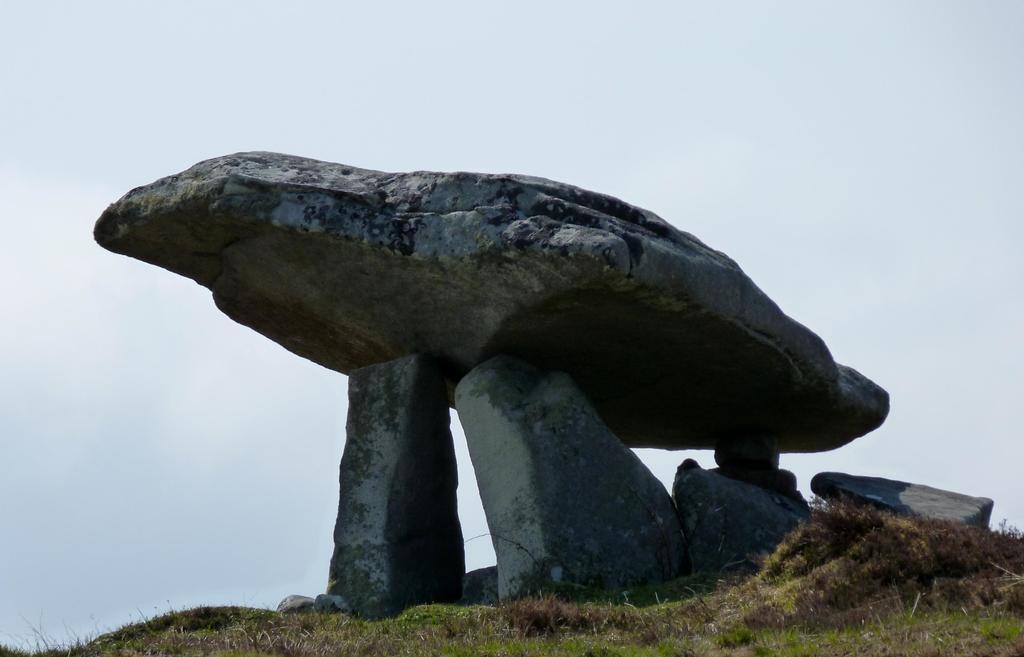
x: 296, y: 603
x: 480, y: 587
x: 688, y: 464
x: 730, y: 524
x: 750, y: 451
x: 774, y: 480
x: 325, y: 602
x: 904, y: 498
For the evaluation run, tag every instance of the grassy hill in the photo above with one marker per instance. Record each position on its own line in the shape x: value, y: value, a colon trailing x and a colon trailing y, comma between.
x: 849, y: 582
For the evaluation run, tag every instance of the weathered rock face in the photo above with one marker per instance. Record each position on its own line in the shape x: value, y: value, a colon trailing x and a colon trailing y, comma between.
x: 775, y: 480
x: 673, y: 344
x: 755, y: 460
x: 728, y: 523
x: 480, y: 587
x: 565, y: 500
x: 904, y: 498
x: 294, y: 604
x: 398, y: 541
x: 326, y: 603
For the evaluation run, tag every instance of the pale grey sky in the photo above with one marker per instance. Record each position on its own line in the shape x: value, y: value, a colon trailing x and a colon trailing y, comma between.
x: 863, y: 162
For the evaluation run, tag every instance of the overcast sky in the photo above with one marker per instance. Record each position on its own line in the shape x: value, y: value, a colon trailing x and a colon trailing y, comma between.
x: 863, y: 163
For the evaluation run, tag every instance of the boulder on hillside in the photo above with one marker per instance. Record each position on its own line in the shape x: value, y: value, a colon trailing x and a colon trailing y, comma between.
x: 729, y: 524
x: 670, y: 340
x: 294, y: 604
x: 904, y: 498
x: 480, y: 587
x: 565, y: 500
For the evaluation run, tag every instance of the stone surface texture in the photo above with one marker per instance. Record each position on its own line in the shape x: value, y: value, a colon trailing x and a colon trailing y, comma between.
x: 904, y: 498
x: 398, y: 541
x: 565, y: 501
x: 670, y: 340
x: 480, y: 587
x: 728, y: 524
x: 328, y: 603
x: 295, y: 604
x: 776, y: 480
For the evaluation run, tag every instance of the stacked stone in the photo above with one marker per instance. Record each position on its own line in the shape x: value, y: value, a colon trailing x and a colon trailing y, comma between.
x: 729, y: 524
x: 754, y: 459
x: 736, y: 513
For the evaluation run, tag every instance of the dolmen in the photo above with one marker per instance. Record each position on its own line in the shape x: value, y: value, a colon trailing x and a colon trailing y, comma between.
x: 564, y: 326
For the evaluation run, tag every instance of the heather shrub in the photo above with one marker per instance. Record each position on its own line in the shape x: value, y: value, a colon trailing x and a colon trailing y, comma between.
x: 849, y: 563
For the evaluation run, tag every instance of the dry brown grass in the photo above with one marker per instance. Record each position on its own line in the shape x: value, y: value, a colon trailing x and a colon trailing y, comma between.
x: 852, y: 564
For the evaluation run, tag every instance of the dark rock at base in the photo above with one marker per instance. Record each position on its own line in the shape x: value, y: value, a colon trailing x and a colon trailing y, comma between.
x: 730, y: 524
x: 565, y: 501
x: 774, y: 480
x: 327, y: 603
x: 480, y: 587
x: 904, y: 498
x: 673, y: 344
x: 397, y: 541
x: 295, y: 604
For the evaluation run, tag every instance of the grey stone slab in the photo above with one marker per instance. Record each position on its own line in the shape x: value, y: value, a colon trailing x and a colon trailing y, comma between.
x: 904, y: 498
x: 398, y: 541
x: 295, y: 604
x: 674, y: 345
x: 729, y: 525
x: 565, y: 501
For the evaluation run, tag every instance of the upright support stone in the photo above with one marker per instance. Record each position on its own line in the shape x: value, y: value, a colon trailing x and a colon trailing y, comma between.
x: 397, y: 541
x: 565, y: 500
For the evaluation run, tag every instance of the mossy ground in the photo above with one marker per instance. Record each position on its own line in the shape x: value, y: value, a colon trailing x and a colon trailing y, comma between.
x: 849, y: 582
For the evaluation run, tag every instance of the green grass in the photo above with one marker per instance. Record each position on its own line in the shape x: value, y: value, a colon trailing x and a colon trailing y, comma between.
x: 849, y: 582
x: 681, y: 628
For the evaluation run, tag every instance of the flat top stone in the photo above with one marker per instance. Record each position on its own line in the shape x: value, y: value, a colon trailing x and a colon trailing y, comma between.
x: 672, y: 342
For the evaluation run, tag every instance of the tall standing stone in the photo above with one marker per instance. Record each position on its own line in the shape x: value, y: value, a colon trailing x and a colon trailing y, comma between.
x: 397, y: 541
x: 565, y: 500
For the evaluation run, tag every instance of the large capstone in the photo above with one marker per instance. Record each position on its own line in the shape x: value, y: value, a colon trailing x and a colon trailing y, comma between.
x: 565, y: 501
x: 904, y: 498
x: 348, y: 267
x: 397, y: 541
x: 729, y: 524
